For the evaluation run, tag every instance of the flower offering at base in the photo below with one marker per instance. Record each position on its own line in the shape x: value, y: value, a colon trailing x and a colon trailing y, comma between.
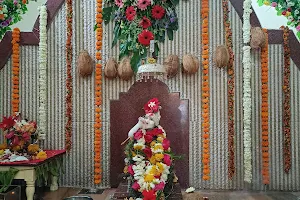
x: 21, y: 140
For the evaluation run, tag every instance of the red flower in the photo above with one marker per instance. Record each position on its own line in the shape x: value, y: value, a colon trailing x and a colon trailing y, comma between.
x: 16, y: 141
x: 130, y: 13
x: 148, y: 152
x: 138, y: 135
x: 10, y: 135
x: 158, y: 12
x: 26, y: 136
x: 149, y: 195
x: 130, y: 170
x: 7, y: 123
x: 135, y: 186
x: 152, y: 105
x: 145, y: 37
x: 167, y: 159
x: 166, y: 144
x: 145, y: 22
x: 148, y: 138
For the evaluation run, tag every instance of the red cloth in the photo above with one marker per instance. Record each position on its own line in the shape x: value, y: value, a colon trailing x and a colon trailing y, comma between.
x: 50, y: 154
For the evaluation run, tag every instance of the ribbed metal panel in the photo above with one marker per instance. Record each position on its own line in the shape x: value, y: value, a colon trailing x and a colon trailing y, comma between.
x: 79, y: 163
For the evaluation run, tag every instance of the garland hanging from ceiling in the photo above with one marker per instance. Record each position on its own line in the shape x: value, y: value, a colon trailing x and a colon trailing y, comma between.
x: 15, y: 98
x: 98, y: 97
x: 69, y: 88
x: 137, y: 22
x: 265, y: 110
x: 247, y: 92
x: 287, y: 102
x: 230, y: 89
x: 288, y: 8
x: 205, y: 91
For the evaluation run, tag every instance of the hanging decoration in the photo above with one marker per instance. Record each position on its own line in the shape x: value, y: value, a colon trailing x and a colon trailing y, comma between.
x: 15, y: 99
x: 205, y: 92
x: 138, y: 23
x: 288, y: 8
x: 247, y: 92
x: 230, y: 90
x: 10, y: 13
x: 287, y: 102
x: 43, y: 72
x: 69, y: 88
x: 265, y: 110
x: 98, y: 97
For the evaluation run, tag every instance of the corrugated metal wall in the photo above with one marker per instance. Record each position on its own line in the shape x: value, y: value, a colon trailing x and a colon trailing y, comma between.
x: 79, y: 163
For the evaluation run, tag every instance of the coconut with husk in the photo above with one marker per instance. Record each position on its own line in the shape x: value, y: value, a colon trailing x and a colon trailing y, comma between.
x: 85, y: 64
x: 221, y: 57
x: 125, y: 71
x: 171, y: 64
x: 190, y: 64
x: 258, y: 38
x: 110, y: 70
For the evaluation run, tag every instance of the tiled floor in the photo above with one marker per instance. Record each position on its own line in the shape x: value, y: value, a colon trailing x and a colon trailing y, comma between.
x: 212, y: 195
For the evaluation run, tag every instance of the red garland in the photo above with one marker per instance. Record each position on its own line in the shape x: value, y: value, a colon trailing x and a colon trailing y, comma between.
x: 230, y: 90
x: 287, y: 102
x: 68, y: 127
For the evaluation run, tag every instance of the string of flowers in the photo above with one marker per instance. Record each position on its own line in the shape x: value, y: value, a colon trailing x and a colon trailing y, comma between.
x: 98, y: 97
x: 230, y: 90
x: 43, y: 71
x: 205, y: 91
x: 15, y: 99
x: 68, y: 127
x: 247, y: 92
x: 265, y: 110
x: 287, y: 102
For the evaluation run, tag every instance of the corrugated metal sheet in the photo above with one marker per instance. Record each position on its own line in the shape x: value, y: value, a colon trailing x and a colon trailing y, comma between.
x: 79, y: 163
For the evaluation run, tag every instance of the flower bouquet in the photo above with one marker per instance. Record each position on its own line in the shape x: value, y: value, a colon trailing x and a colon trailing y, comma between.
x: 21, y: 139
x: 138, y: 22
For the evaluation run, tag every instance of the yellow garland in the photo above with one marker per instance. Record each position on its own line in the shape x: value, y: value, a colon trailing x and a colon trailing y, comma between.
x: 98, y: 97
x: 205, y: 92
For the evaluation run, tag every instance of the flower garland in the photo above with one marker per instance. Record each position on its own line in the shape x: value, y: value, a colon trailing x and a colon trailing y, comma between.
x: 43, y: 71
x: 10, y: 13
x: 98, y: 97
x: 288, y: 8
x: 247, y: 92
x: 230, y: 70
x: 265, y: 110
x: 205, y: 91
x: 287, y: 102
x: 15, y: 101
x: 68, y: 127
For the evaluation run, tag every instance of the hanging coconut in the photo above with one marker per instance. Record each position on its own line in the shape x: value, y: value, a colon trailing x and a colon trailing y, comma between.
x: 124, y: 70
x: 221, y: 57
x: 84, y: 64
x: 171, y: 64
x: 190, y: 64
x: 258, y: 38
x: 110, y: 70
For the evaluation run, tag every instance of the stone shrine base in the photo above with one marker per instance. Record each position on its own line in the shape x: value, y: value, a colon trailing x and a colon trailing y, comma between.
x: 122, y: 193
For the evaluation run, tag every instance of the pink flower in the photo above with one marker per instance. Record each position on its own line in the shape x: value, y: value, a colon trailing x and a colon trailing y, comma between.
x: 138, y: 135
x: 16, y: 141
x: 135, y: 186
x: 273, y: 4
x: 159, y: 186
x: 130, y: 13
x: 119, y: 3
x: 143, y: 4
x: 167, y: 159
x: 10, y: 135
x: 130, y: 170
x: 166, y: 144
x: 298, y: 28
x: 148, y: 152
x: 26, y: 136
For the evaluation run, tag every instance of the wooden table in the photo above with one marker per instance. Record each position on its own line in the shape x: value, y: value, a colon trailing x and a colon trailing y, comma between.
x: 27, y: 171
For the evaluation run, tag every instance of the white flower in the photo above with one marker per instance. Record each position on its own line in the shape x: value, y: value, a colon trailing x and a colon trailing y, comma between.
x: 138, y: 158
x: 190, y: 190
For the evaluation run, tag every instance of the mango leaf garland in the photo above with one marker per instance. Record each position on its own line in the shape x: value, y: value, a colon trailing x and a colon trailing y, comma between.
x: 137, y: 22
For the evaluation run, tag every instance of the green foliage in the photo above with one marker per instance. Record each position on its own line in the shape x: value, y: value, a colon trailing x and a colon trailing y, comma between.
x: 10, y: 14
x: 6, y: 178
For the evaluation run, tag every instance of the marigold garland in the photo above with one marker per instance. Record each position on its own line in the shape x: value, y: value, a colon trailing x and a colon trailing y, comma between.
x: 98, y: 97
x: 68, y: 127
x: 287, y: 102
x: 15, y: 99
x: 265, y: 110
x: 205, y: 92
x: 230, y: 90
